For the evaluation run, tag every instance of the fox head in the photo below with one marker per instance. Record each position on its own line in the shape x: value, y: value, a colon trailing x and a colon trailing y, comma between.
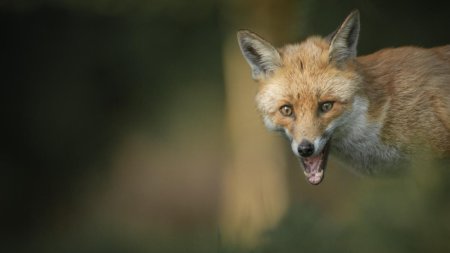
x: 306, y: 90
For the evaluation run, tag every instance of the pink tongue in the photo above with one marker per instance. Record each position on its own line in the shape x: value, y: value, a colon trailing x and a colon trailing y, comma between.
x: 313, y: 170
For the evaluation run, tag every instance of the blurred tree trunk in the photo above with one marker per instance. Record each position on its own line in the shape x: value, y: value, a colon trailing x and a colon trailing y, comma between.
x: 255, y: 193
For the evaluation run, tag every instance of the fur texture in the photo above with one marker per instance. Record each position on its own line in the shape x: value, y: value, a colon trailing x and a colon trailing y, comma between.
x: 386, y: 106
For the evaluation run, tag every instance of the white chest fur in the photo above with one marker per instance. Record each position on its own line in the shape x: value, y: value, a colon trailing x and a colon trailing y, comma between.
x: 357, y: 141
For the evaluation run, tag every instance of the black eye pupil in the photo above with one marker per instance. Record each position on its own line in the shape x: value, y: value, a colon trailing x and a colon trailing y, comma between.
x: 286, y: 110
x: 326, y: 106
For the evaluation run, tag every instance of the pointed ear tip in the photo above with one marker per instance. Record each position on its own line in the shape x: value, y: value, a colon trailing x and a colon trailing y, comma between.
x: 243, y: 32
x: 355, y: 13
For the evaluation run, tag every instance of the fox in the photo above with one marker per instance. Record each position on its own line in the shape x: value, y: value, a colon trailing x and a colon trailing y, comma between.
x: 374, y: 112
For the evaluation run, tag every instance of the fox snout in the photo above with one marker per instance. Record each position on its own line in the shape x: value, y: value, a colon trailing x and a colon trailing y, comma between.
x: 313, y: 157
x: 305, y: 148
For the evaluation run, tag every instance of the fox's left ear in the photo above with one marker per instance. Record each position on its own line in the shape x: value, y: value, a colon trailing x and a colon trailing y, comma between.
x: 344, y: 40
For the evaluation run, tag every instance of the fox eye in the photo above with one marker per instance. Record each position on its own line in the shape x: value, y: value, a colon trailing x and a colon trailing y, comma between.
x: 326, y: 106
x: 286, y: 110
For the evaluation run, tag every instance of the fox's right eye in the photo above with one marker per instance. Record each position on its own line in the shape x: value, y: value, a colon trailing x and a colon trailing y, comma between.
x: 286, y: 110
x: 326, y: 106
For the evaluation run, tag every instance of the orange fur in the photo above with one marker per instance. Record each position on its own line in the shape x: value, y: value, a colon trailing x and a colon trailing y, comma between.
x: 414, y: 85
x: 386, y: 106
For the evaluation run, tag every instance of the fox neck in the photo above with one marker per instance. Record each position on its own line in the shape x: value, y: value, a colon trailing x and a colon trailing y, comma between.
x: 357, y: 139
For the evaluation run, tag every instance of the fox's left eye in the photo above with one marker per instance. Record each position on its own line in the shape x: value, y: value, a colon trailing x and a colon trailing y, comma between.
x: 326, y: 106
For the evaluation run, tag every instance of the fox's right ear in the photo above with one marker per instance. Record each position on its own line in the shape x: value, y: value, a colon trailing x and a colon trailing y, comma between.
x: 262, y: 57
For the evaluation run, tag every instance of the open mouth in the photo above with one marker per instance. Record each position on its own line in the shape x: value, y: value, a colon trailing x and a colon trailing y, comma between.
x: 314, y: 166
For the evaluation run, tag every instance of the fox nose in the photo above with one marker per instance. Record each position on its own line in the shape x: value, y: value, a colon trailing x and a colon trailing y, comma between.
x: 305, y: 148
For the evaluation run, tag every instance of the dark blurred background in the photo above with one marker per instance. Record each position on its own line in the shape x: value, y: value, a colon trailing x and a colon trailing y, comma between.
x: 125, y: 128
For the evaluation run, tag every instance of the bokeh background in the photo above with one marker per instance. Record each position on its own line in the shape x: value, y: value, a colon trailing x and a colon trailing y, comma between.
x: 130, y: 126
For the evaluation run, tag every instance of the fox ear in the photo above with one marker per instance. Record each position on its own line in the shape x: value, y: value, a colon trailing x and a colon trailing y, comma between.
x: 262, y: 57
x: 344, y: 40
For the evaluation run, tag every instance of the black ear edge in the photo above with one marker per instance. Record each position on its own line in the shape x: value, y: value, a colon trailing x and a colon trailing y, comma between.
x: 262, y: 57
x: 243, y: 35
x: 243, y: 32
x: 349, y: 31
x: 244, y: 39
x: 354, y: 15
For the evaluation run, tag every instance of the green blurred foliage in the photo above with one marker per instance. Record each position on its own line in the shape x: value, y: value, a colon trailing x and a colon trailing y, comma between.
x: 172, y: 8
x: 77, y: 81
